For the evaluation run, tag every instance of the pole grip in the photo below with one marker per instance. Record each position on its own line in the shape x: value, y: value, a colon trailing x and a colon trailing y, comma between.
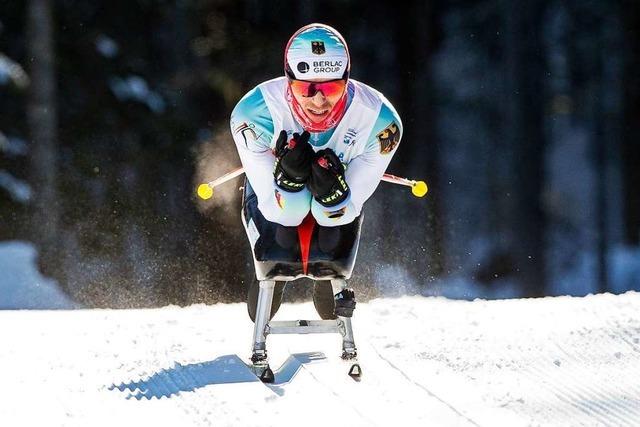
x: 226, y: 177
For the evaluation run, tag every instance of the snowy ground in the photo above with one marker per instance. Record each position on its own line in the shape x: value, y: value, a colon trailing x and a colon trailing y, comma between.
x: 426, y: 361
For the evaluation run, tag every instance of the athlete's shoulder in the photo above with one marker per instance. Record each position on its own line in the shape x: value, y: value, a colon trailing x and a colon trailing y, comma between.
x: 387, y: 129
x: 252, y: 102
x: 388, y: 114
x: 373, y: 98
x: 365, y: 95
x: 251, y: 114
x: 274, y: 86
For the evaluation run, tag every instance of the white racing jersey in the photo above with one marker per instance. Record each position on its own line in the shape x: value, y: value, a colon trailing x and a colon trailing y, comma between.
x: 365, y: 140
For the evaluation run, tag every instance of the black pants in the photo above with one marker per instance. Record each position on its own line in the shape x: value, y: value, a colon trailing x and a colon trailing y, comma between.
x: 328, y: 237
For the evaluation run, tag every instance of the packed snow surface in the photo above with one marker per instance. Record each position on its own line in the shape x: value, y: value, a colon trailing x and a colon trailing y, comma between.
x: 425, y: 360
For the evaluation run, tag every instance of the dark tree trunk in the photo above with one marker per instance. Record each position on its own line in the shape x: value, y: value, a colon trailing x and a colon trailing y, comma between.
x: 42, y: 123
x: 525, y: 142
x: 417, y: 36
x: 601, y: 170
x: 631, y: 129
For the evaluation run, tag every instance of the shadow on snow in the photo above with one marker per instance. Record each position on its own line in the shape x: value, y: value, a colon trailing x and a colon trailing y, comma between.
x: 226, y: 369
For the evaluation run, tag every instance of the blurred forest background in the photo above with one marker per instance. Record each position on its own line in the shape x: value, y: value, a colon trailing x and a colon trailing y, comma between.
x: 522, y: 116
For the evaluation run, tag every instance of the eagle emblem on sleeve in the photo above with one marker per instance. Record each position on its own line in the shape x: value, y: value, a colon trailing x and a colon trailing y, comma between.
x: 388, y: 138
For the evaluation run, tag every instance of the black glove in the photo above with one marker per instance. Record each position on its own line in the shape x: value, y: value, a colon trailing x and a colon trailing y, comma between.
x: 293, y: 161
x: 327, y: 183
x: 345, y: 303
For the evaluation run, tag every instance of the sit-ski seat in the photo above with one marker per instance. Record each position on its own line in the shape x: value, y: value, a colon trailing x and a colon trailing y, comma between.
x: 273, y: 262
x: 305, y: 259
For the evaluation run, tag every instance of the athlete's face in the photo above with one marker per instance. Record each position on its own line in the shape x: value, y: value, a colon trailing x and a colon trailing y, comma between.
x: 317, y: 99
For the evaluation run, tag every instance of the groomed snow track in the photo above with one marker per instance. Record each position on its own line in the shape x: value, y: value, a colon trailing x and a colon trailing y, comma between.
x: 426, y: 361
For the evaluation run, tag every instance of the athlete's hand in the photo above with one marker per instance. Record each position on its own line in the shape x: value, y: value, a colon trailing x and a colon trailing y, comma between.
x: 327, y: 182
x: 293, y: 161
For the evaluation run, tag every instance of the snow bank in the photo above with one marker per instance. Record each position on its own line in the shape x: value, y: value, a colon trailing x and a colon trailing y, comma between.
x: 21, y: 285
x: 12, y: 72
x: 135, y: 88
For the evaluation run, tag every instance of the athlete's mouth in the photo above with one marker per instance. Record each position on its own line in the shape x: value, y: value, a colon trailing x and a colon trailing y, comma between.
x: 317, y: 113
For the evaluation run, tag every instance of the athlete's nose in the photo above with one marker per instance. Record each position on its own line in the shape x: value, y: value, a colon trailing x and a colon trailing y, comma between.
x: 318, y: 99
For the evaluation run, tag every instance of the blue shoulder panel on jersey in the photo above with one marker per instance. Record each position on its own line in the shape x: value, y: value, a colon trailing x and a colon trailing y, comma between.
x: 387, y: 130
x: 252, y: 121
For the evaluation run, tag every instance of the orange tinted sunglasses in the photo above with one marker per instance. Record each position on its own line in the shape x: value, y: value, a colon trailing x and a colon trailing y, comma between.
x: 329, y: 88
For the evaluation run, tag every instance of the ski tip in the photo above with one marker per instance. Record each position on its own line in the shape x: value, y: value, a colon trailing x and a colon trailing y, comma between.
x: 355, y: 372
x: 267, y: 376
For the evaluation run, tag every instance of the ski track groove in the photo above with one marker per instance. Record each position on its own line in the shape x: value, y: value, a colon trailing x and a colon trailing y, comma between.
x: 610, y: 334
x: 633, y: 333
x: 533, y: 380
x: 615, y: 386
x: 339, y: 397
x: 422, y: 387
x: 622, y: 330
x: 581, y: 396
x: 567, y: 396
x: 629, y: 343
x: 591, y: 397
x: 540, y: 378
x: 608, y: 341
x: 541, y: 382
x: 611, y: 337
x: 585, y: 398
x: 568, y: 409
x: 574, y: 396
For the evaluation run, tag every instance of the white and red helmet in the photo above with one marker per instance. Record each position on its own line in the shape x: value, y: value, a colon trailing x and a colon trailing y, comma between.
x: 317, y: 52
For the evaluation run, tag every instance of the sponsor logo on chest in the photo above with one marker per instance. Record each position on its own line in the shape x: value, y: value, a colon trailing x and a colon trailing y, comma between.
x: 350, y: 137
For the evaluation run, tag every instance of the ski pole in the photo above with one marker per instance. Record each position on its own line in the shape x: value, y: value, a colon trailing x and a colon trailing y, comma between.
x: 418, y: 188
x: 205, y: 191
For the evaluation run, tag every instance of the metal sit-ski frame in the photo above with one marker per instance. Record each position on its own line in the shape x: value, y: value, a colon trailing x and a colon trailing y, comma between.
x: 273, y: 263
